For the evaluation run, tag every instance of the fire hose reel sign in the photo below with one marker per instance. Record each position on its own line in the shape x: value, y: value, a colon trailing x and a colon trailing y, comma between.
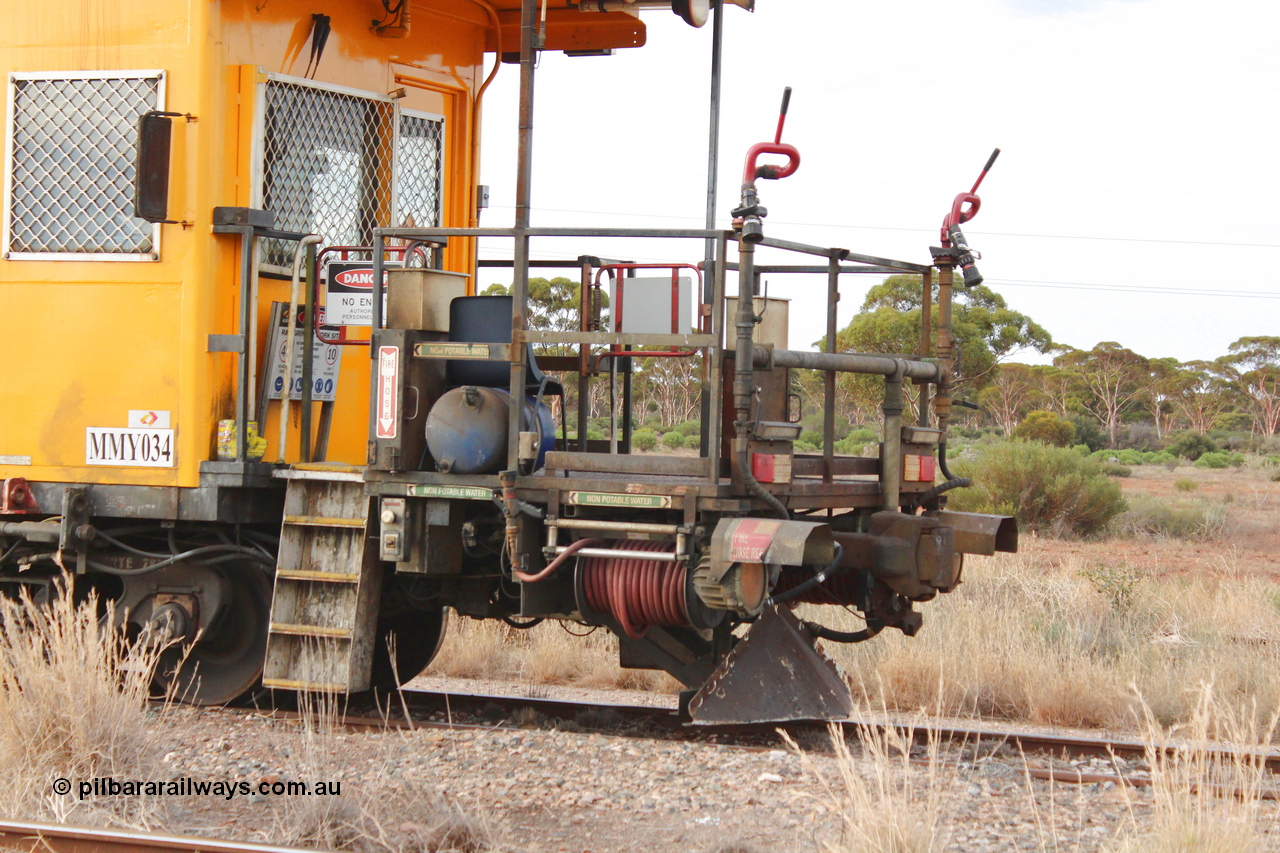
x: 388, y: 380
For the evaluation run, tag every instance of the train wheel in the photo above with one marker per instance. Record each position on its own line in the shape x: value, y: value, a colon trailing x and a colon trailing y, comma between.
x: 227, y: 658
x: 417, y: 636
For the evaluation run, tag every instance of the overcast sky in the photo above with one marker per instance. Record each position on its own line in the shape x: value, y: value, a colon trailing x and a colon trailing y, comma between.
x: 1135, y: 198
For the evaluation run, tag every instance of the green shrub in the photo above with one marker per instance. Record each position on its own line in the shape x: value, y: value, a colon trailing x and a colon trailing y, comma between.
x: 690, y: 428
x: 1185, y: 484
x: 1088, y: 431
x: 855, y: 442
x: 1191, y: 445
x: 644, y: 439
x: 1271, y: 461
x: 812, y: 436
x: 866, y: 435
x: 1220, y: 459
x: 806, y: 447
x: 1049, y: 489
x: 674, y: 440
x: 1046, y: 428
x: 1082, y: 449
x: 1114, y: 469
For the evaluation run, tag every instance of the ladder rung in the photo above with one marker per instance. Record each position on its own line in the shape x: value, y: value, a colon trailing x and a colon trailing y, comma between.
x: 324, y: 521
x: 310, y: 630
x: 303, y: 575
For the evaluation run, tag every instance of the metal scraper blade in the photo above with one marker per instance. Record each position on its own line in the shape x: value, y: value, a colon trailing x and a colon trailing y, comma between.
x: 773, y: 675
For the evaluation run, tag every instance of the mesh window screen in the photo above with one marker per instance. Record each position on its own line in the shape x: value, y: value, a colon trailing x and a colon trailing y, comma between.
x: 328, y: 161
x: 419, y: 178
x: 71, y: 185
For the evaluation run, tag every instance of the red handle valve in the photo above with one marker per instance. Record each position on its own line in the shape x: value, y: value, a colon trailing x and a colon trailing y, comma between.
x: 959, y: 213
x: 770, y: 172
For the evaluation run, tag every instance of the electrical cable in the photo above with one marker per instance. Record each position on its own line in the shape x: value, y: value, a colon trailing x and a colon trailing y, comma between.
x: 818, y: 578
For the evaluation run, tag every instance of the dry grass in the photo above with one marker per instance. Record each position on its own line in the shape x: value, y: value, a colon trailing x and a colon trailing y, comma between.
x: 887, y: 802
x: 1064, y: 643
x: 1202, y: 802
x: 73, y: 705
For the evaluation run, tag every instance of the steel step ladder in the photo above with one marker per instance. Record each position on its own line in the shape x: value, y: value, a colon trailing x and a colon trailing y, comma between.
x: 328, y: 582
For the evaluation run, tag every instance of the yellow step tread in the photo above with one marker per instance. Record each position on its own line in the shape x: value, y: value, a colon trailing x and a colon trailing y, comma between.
x: 310, y: 630
x: 305, y: 575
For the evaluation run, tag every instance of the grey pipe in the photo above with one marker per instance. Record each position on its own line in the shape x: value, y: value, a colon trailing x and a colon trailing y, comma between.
x: 846, y: 362
x: 891, y: 459
x: 744, y: 383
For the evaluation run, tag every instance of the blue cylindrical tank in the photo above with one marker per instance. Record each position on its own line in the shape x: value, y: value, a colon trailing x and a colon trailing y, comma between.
x: 467, y: 430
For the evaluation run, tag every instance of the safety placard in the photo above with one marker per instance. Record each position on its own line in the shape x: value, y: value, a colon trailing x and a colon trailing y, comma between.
x: 349, y: 292
x: 615, y: 499
x: 141, y: 448
x: 326, y: 357
x: 388, y: 408
x: 468, y: 493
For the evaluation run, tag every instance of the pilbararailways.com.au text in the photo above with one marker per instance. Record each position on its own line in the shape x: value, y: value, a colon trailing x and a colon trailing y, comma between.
x: 107, y: 786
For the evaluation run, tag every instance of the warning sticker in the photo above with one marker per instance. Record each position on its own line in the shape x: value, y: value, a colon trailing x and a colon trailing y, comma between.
x: 326, y: 357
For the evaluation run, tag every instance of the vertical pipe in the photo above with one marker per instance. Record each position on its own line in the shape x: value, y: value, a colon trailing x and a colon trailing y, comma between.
x: 891, y: 456
x: 713, y: 402
x: 246, y: 320
x: 524, y: 184
x: 708, y: 402
x: 584, y: 376
x: 926, y: 334
x: 946, y: 343
x: 829, y: 377
x: 305, y: 246
x: 304, y: 448
x: 713, y: 132
x: 254, y: 266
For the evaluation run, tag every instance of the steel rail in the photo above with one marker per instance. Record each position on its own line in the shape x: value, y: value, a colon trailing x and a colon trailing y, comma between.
x: 644, y: 721
x: 669, y: 719
x: 35, y: 837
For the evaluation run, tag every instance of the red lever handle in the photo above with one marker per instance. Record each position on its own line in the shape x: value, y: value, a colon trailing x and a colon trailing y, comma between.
x: 959, y: 213
x: 770, y: 172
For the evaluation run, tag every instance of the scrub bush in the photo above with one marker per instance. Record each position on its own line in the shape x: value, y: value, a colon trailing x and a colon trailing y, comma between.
x: 644, y: 439
x: 1051, y: 490
x: 1047, y: 428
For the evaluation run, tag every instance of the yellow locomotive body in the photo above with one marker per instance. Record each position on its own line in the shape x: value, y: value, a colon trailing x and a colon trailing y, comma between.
x: 134, y: 305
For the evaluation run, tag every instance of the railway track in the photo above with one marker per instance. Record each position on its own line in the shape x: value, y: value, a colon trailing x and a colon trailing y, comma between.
x: 32, y: 837
x: 488, y: 710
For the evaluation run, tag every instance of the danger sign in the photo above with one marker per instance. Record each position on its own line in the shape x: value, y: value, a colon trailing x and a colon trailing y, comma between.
x: 349, y: 292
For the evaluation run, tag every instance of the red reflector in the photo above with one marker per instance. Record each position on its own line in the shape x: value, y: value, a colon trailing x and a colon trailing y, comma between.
x: 762, y: 467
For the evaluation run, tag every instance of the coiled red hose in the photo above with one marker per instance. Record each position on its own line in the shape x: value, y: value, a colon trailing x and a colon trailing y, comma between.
x: 634, y: 591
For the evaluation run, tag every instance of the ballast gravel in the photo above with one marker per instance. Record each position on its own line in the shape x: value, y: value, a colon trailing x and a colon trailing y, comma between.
x: 541, y: 789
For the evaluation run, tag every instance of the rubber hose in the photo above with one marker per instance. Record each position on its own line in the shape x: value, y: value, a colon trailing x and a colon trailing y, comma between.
x: 824, y: 633
x: 956, y: 483
x: 818, y: 578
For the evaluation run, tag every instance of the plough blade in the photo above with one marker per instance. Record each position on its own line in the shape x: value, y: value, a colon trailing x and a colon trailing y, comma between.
x: 773, y: 675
